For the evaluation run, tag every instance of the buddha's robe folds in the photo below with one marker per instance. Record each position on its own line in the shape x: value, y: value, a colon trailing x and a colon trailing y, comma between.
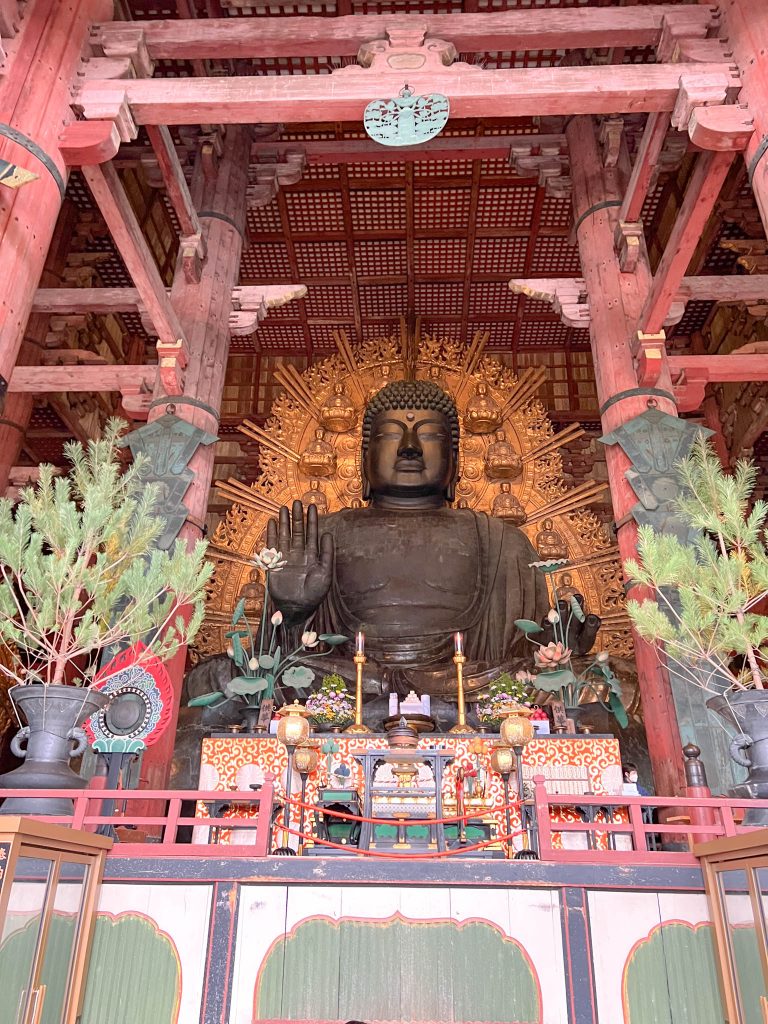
x: 410, y: 579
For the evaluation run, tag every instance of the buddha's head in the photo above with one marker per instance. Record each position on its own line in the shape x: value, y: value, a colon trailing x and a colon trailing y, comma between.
x: 410, y: 450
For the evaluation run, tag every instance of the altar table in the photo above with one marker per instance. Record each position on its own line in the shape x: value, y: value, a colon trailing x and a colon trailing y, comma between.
x: 571, y: 765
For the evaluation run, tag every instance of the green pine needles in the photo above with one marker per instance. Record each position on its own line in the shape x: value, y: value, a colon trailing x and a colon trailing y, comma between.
x: 705, y: 593
x: 80, y: 574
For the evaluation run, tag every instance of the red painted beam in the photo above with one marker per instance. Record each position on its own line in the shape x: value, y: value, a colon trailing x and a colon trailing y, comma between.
x: 487, y: 147
x: 473, y: 92
x: 84, y: 143
x: 720, y: 368
x: 107, y: 377
x: 173, y: 177
x: 115, y: 207
x: 581, y: 28
x: 655, y: 133
x: 700, y: 197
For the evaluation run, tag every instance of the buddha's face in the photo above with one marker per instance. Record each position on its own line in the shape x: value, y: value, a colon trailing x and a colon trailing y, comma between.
x: 409, y: 454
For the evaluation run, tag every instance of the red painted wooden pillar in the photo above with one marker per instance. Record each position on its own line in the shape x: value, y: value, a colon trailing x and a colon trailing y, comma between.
x: 203, y: 309
x: 16, y: 414
x: 745, y: 26
x: 35, y: 102
x: 615, y: 301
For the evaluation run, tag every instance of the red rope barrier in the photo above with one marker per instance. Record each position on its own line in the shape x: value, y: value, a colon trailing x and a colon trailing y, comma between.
x: 388, y: 821
x: 403, y: 856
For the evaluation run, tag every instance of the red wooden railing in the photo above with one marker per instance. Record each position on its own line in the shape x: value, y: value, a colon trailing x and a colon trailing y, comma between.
x: 633, y: 828
x: 162, y: 827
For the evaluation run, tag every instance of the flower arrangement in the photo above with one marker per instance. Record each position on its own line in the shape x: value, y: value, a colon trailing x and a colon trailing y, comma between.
x: 262, y: 668
x: 331, y: 704
x: 566, y: 621
x: 503, y: 692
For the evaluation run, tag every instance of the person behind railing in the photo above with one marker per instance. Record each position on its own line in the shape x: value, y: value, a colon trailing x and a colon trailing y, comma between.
x: 632, y: 787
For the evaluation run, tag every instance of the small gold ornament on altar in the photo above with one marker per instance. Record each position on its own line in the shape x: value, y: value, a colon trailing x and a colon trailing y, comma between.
x: 315, y: 496
x: 483, y: 414
x: 338, y: 413
x: 502, y: 462
x: 318, y: 458
x: 506, y: 506
x: 549, y: 543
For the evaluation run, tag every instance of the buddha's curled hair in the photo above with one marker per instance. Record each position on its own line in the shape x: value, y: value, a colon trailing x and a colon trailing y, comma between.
x: 412, y: 394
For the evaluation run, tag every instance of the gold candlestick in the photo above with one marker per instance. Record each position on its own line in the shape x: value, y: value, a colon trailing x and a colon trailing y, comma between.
x: 461, y: 724
x: 358, y: 728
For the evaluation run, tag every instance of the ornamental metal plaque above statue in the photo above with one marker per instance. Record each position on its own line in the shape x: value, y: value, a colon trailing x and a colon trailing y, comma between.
x: 406, y: 119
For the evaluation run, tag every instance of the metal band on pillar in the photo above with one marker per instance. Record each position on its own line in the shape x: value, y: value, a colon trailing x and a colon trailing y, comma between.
x: 635, y: 393
x: 760, y: 152
x: 39, y: 154
x: 221, y: 216
x: 183, y: 400
x: 595, y: 209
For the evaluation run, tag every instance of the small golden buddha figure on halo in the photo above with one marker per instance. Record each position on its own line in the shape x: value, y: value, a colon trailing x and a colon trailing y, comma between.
x: 549, y: 543
x: 436, y: 377
x: 385, y: 375
x: 483, y: 414
x: 315, y: 496
x: 502, y: 462
x: 565, y: 587
x: 506, y: 506
x: 338, y: 413
x: 318, y: 458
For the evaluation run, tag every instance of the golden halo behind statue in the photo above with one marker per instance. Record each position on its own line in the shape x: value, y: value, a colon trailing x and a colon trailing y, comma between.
x: 509, y: 465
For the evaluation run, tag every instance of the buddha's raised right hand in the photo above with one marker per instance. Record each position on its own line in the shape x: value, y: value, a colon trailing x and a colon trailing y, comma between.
x: 300, y: 586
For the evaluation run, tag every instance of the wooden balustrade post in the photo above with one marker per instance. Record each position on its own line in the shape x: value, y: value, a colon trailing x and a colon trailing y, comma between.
x: 264, y: 826
x: 543, y: 824
x: 696, y: 786
x: 616, y: 300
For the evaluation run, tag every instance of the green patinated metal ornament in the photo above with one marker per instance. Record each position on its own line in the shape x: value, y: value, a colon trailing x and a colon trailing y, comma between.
x: 406, y: 120
x: 170, y: 443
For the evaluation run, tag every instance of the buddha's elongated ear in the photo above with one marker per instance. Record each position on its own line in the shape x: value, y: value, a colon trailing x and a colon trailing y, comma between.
x: 450, y: 491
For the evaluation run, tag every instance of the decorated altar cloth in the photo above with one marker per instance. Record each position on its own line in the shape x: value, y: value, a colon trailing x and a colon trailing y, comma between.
x: 571, y: 765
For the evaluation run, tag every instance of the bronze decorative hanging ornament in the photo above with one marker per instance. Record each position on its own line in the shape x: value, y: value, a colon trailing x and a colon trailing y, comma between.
x: 537, y: 490
x: 406, y: 120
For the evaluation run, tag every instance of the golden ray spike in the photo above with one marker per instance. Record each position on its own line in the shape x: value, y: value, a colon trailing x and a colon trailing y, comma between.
x: 242, y: 499
x: 479, y: 341
x: 468, y: 360
x: 235, y: 487
x: 284, y: 378
x: 571, y: 433
x: 238, y: 485
x: 348, y: 358
x: 222, y: 555
x: 301, y: 384
x: 580, y: 496
x: 528, y: 384
x: 257, y: 433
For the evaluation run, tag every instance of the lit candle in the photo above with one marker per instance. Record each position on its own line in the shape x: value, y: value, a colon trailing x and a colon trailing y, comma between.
x: 458, y: 642
x: 360, y: 643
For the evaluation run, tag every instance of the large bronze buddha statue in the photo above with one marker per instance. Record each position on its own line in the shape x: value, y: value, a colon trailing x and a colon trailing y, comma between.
x: 408, y: 570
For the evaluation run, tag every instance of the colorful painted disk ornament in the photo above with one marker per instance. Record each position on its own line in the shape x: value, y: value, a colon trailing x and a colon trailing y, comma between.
x: 406, y: 120
x: 141, y: 699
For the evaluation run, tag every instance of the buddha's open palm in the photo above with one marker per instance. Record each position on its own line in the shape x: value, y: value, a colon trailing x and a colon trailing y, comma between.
x: 300, y: 586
